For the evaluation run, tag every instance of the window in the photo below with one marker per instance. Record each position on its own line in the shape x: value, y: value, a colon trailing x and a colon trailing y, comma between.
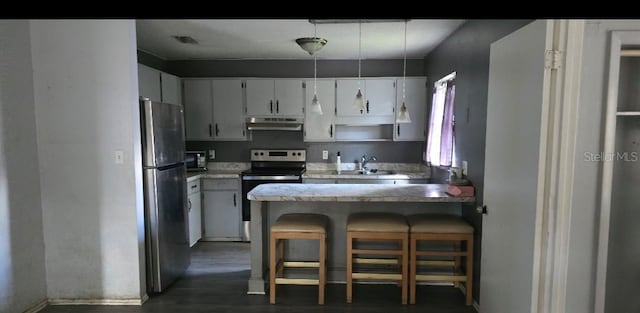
x: 441, y: 139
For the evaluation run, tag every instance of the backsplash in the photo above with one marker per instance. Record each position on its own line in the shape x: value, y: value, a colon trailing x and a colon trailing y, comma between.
x: 239, y: 151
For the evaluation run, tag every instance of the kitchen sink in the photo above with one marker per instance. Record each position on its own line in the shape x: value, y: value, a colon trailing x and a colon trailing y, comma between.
x: 370, y: 172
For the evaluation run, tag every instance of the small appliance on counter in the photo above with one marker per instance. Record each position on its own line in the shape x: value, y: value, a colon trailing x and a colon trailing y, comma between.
x: 196, y: 161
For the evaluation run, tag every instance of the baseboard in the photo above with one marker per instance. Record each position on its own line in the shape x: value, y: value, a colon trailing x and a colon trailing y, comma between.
x: 98, y: 301
x: 37, y: 307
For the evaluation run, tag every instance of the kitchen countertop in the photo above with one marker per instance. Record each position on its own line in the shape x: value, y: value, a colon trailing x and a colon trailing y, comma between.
x: 331, y: 174
x: 219, y: 170
x: 354, y: 192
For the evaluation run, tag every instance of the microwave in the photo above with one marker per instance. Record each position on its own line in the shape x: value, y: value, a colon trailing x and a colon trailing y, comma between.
x: 196, y: 161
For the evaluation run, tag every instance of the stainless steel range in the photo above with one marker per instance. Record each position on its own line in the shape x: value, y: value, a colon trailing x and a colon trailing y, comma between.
x: 270, y: 166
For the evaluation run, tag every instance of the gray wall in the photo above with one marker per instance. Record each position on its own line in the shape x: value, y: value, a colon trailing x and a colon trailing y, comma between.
x: 151, y: 60
x: 466, y: 52
x: 238, y: 151
x: 86, y: 103
x: 292, y: 68
x: 22, y: 269
x: 402, y: 152
x: 585, y: 212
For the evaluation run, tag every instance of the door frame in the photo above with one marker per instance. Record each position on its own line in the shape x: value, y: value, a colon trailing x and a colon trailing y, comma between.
x: 618, y: 39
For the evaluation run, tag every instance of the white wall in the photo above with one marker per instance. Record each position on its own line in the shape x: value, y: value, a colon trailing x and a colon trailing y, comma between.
x: 85, y: 87
x: 22, y: 271
x: 587, y: 180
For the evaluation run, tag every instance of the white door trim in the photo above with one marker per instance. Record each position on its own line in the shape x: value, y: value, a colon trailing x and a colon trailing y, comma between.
x: 557, y: 158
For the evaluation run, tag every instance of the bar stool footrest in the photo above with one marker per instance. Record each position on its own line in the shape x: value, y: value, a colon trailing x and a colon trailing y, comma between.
x: 301, y: 264
x: 297, y: 281
x: 376, y: 276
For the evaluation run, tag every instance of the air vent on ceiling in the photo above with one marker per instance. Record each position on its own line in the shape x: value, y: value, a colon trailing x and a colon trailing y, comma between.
x: 186, y: 39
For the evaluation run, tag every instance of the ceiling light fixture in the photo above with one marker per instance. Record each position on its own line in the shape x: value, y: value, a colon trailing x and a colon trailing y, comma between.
x: 311, y: 44
x: 403, y: 113
x: 186, y: 39
x: 359, y: 101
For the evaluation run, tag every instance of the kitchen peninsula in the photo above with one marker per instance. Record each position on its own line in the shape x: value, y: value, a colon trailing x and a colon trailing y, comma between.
x: 337, y: 201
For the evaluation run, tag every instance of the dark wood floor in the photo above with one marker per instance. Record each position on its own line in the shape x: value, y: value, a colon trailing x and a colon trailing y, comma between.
x: 216, y: 281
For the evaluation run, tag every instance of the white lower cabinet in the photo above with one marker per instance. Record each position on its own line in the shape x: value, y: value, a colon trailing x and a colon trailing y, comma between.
x: 195, y: 211
x: 222, y: 209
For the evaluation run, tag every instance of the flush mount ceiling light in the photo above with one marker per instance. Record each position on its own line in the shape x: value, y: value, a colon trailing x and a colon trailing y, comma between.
x: 186, y: 39
x: 311, y: 44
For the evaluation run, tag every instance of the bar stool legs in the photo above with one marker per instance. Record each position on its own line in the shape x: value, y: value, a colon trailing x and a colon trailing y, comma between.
x: 297, y: 226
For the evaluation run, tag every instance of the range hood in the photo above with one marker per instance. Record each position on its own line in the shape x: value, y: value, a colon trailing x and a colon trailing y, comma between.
x: 274, y: 123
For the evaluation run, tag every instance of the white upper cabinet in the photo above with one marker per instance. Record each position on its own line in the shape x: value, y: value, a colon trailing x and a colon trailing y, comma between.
x: 228, y: 109
x: 171, y: 89
x: 416, y: 103
x: 158, y: 86
x: 279, y: 97
x: 289, y: 96
x: 379, y: 97
x: 198, y: 108
x: 320, y: 127
x: 149, y: 85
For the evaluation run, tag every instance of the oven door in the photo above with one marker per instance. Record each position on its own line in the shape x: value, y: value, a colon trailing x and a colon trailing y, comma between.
x: 251, y: 181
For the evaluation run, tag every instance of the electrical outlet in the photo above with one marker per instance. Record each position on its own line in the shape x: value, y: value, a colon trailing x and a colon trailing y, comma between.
x: 465, y: 167
x: 212, y: 154
x: 325, y: 154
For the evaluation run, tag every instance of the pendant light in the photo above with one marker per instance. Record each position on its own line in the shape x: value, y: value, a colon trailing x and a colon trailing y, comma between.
x: 403, y: 113
x: 316, y: 108
x: 359, y: 101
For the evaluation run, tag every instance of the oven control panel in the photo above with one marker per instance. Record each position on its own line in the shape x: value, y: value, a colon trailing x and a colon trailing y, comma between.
x: 279, y: 155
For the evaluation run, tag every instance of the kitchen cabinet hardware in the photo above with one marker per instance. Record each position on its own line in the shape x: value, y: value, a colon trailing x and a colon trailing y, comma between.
x: 210, y: 131
x: 331, y: 131
x: 194, y: 186
x: 398, y: 126
x: 271, y: 106
x: 235, y: 202
x: 217, y: 130
x: 482, y: 209
x: 367, y: 106
x: 277, y: 106
x: 189, y: 204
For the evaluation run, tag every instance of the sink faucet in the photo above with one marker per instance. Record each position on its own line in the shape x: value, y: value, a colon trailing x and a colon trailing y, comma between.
x: 364, y: 162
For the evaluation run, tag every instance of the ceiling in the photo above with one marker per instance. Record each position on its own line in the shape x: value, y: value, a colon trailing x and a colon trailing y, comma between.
x: 275, y: 39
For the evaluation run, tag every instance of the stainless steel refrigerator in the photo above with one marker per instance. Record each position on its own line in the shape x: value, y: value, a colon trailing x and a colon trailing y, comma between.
x: 165, y: 190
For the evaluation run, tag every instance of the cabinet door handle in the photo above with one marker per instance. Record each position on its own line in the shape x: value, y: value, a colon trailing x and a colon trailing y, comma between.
x: 367, y: 106
x: 398, y: 126
x: 217, y: 130
x: 189, y: 204
x: 277, y: 106
x: 271, y: 106
x: 235, y: 203
x: 331, y: 131
x: 210, y: 131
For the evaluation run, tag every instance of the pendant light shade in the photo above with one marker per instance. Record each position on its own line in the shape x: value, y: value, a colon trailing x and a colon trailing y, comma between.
x: 316, y: 108
x: 358, y: 103
x: 403, y: 113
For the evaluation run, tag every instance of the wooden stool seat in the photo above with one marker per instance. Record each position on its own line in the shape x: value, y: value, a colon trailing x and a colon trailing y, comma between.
x: 378, y: 227
x: 297, y: 226
x: 447, y: 228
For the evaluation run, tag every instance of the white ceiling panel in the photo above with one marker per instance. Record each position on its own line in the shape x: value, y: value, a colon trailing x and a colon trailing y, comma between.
x: 275, y: 39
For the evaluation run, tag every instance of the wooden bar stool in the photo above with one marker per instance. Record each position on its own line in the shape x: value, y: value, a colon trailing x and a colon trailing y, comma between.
x: 297, y: 226
x: 448, y: 228
x: 378, y: 227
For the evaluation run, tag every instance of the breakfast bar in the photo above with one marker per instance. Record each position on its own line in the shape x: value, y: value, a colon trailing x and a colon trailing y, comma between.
x: 337, y: 201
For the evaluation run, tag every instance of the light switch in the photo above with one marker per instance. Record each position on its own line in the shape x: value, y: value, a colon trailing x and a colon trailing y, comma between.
x: 464, y: 168
x: 325, y: 154
x: 212, y: 154
x: 119, y: 157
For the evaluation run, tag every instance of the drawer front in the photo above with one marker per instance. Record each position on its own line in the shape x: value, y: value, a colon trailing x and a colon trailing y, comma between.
x: 220, y: 184
x: 193, y: 187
